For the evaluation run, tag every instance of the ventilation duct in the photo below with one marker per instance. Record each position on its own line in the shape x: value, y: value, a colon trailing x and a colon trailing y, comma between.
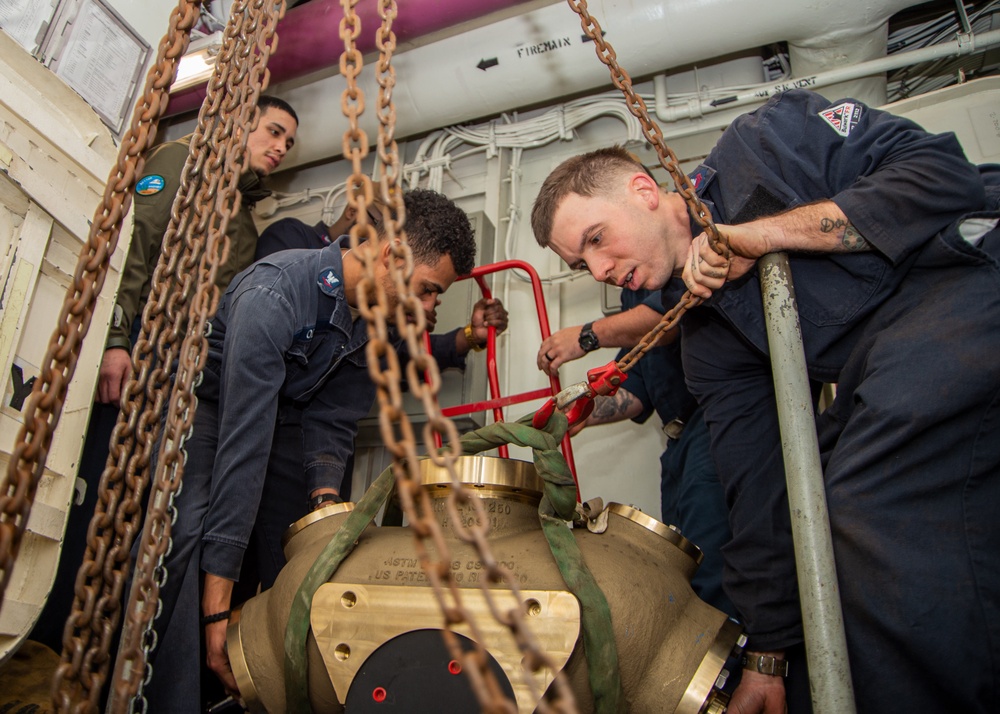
x: 309, y: 36
x: 542, y: 55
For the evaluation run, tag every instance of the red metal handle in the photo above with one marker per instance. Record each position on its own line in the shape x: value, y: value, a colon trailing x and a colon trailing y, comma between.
x: 496, y: 402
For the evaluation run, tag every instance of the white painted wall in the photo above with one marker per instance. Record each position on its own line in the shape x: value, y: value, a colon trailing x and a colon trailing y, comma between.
x: 147, y: 17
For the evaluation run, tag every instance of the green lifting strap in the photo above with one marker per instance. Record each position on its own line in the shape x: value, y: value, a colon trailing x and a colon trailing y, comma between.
x: 339, y: 547
x: 557, y: 506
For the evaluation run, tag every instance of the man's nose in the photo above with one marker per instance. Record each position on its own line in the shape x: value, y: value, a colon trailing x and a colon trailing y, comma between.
x: 601, y: 270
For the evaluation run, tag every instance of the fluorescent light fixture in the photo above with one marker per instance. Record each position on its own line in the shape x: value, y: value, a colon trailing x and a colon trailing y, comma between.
x: 198, y: 63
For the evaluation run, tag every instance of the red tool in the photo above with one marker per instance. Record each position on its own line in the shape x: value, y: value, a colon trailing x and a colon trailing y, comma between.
x: 577, y: 400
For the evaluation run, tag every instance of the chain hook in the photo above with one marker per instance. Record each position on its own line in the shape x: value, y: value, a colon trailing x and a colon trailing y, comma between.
x: 577, y: 400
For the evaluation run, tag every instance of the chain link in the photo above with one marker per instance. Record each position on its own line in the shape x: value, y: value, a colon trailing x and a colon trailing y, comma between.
x: 17, y: 487
x: 223, y: 126
x: 620, y: 78
x: 232, y: 97
x: 43, y: 411
x: 424, y: 381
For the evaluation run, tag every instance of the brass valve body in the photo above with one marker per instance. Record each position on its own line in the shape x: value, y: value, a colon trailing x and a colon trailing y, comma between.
x: 671, y: 645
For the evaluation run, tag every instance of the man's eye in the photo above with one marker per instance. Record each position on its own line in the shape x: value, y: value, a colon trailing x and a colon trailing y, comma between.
x: 595, y: 239
x: 581, y: 265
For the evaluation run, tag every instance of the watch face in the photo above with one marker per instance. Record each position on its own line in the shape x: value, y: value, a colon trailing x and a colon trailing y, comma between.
x: 588, y: 340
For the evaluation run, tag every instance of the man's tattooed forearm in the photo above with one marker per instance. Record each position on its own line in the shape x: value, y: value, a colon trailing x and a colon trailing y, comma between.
x: 851, y: 240
x: 609, y: 409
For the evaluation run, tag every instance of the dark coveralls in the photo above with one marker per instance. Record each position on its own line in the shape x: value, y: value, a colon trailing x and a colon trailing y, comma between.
x: 283, y: 333
x: 910, y: 331
x: 691, y: 496
x: 284, y: 487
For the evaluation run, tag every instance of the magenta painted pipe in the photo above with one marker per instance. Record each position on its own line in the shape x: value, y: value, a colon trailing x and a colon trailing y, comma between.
x: 309, y: 35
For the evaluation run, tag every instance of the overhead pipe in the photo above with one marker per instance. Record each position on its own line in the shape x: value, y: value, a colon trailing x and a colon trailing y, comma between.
x: 965, y: 44
x: 539, y: 56
x: 309, y: 36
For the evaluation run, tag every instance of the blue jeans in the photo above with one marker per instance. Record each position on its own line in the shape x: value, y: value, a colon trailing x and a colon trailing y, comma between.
x: 177, y: 658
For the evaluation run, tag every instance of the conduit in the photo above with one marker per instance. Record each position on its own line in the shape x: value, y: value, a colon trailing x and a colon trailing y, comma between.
x: 964, y: 45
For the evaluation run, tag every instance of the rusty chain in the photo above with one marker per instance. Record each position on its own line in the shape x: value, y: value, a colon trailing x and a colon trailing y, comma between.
x: 100, y: 581
x: 43, y: 411
x: 233, y: 93
x: 424, y: 380
x: 620, y: 78
x: 17, y: 487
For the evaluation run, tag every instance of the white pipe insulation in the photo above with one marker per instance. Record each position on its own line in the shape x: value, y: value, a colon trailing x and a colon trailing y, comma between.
x: 965, y: 44
x: 541, y: 56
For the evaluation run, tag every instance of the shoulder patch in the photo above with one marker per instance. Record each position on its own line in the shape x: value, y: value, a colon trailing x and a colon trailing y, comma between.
x: 328, y: 282
x: 843, y: 117
x: 150, y: 185
x: 701, y: 177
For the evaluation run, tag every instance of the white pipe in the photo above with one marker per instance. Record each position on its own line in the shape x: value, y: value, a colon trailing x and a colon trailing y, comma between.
x: 542, y: 55
x: 964, y: 45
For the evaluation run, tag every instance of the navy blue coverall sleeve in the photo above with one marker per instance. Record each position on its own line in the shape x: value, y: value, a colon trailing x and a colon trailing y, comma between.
x: 259, y: 332
x: 886, y: 171
x: 330, y: 423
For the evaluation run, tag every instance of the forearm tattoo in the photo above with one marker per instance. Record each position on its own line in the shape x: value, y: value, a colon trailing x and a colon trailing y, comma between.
x: 611, y: 409
x: 851, y: 240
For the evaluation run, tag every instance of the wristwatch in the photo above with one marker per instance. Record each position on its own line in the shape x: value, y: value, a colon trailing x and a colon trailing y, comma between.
x: 322, y: 499
x: 588, y: 340
x: 765, y: 664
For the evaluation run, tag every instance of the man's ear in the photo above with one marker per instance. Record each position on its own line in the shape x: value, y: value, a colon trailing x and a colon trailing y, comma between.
x: 644, y: 187
x: 384, y: 253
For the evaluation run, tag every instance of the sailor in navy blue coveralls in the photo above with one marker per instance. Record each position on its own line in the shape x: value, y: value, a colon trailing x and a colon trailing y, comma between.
x: 322, y: 362
x: 284, y: 485
x: 910, y: 332
x: 284, y: 335
x: 893, y: 243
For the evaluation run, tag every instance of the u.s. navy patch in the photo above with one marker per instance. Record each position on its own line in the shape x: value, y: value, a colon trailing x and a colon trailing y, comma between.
x: 328, y: 281
x: 843, y: 117
x: 150, y: 185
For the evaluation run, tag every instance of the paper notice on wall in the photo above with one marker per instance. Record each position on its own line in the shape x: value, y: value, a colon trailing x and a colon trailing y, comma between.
x: 99, y: 61
x: 26, y: 20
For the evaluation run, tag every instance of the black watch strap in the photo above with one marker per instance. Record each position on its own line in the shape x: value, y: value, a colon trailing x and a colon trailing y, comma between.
x: 317, y: 501
x: 588, y: 338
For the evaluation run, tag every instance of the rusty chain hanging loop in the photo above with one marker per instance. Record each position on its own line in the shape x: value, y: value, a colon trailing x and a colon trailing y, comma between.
x: 396, y: 428
x: 42, y: 414
x: 17, y: 487
x: 79, y: 679
x: 620, y: 78
x: 233, y: 91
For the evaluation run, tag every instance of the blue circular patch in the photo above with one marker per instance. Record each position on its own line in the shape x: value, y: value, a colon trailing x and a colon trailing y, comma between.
x: 150, y: 185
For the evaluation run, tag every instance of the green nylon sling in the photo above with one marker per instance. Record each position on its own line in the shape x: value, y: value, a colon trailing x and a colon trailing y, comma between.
x: 555, y: 509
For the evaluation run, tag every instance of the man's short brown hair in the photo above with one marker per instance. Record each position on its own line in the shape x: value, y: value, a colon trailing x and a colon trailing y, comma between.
x: 589, y: 174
